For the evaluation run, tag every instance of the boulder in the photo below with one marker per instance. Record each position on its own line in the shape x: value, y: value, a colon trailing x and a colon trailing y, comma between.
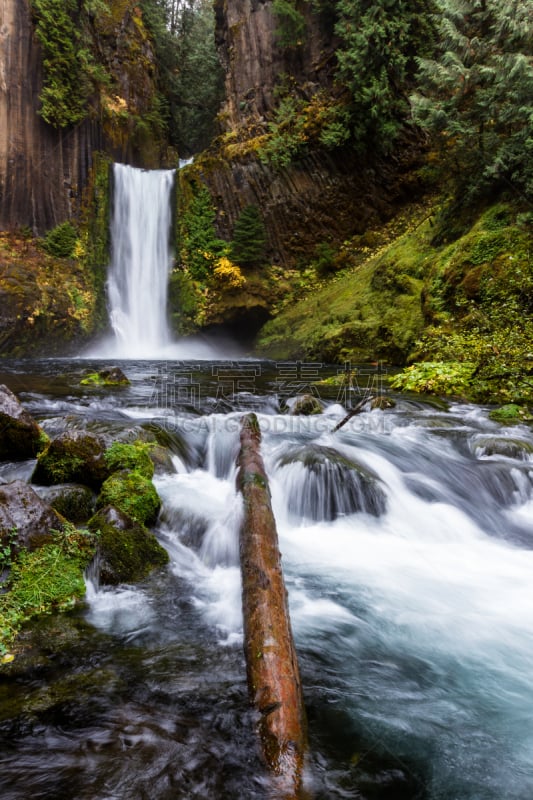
x: 306, y: 405
x: 508, y: 447
x: 20, y: 436
x: 112, y: 376
x: 73, y: 501
x: 73, y: 457
x: 25, y: 519
x: 127, y: 552
x: 133, y: 494
x: 323, y: 484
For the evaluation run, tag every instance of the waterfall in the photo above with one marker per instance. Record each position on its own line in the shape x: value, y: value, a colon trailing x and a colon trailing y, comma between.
x: 141, y: 260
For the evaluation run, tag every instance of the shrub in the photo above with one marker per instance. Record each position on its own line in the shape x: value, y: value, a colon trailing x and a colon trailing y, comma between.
x: 61, y: 240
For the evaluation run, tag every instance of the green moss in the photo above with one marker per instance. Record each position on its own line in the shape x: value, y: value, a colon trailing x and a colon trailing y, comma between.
x: 48, y: 578
x: 72, y: 458
x: 132, y: 493
x: 103, y: 379
x: 511, y: 413
x: 134, y: 456
x: 128, y: 552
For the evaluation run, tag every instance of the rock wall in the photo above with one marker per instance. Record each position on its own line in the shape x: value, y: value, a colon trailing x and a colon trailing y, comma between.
x: 254, y: 60
x: 325, y: 195
x: 43, y: 170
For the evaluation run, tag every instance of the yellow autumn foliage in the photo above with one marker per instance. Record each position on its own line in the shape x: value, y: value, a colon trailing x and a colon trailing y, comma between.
x: 227, y: 274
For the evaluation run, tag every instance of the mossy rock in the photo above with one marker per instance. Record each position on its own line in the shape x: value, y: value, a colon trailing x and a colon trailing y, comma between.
x: 127, y: 551
x: 73, y: 501
x: 306, y: 405
x: 20, y: 436
x: 73, y: 457
x: 502, y: 446
x: 511, y: 414
x: 135, y: 456
x: 133, y: 494
x: 106, y: 377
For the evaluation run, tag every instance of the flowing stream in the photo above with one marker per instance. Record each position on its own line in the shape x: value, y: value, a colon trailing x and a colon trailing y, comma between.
x: 406, y: 539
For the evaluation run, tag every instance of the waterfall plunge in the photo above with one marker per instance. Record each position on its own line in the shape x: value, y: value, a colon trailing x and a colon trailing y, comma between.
x: 141, y: 260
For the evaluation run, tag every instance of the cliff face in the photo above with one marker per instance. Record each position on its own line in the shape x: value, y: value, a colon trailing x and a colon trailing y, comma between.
x: 43, y: 170
x: 322, y: 195
x: 254, y: 61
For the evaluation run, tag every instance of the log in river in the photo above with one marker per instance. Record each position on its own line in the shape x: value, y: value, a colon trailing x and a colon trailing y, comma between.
x: 272, y: 667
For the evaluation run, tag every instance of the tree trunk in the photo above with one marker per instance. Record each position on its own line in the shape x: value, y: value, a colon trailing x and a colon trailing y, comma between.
x: 272, y: 668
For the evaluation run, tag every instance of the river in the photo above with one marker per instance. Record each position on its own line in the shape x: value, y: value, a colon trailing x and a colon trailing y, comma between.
x: 410, y: 594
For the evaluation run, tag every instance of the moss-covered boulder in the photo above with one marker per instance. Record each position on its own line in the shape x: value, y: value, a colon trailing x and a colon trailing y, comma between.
x: 25, y: 519
x: 73, y: 501
x: 306, y: 405
x: 133, y: 494
x: 511, y: 414
x: 135, y: 456
x: 20, y: 436
x: 112, y: 376
x: 127, y: 551
x: 322, y: 484
x: 73, y: 457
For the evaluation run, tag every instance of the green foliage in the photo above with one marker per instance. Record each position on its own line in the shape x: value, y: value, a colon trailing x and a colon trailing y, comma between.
x: 510, y: 413
x: 324, y: 260
x: 132, y: 493
x: 475, y: 96
x: 379, y: 41
x: 48, y: 578
x: 287, y: 137
x: 291, y: 23
x: 6, y: 550
x: 199, y: 246
x: 61, y: 240
x: 70, y: 71
x: 130, y: 456
x: 435, y: 377
x: 248, y: 244
x: 190, y: 77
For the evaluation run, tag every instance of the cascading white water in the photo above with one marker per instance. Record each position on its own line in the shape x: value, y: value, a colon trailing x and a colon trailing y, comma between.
x: 141, y: 259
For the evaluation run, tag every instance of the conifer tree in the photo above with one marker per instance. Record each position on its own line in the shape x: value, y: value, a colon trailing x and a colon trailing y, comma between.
x: 379, y: 42
x: 477, y: 94
x: 248, y: 245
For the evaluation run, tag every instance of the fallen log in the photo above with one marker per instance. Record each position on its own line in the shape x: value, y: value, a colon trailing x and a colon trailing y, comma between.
x: 271, y: 664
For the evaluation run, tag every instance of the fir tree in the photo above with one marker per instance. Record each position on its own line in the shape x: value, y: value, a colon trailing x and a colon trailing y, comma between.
x: 249, y: 241
x: 379, y: 42
x: 477, y: 95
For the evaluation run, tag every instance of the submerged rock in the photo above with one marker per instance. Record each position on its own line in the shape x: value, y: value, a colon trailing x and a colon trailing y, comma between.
x: 127, y: 551
x: 323, y: 484
x: 25, y: 519
x: 502, y: 446
x: 20, y: 436
x: 73, y: 457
